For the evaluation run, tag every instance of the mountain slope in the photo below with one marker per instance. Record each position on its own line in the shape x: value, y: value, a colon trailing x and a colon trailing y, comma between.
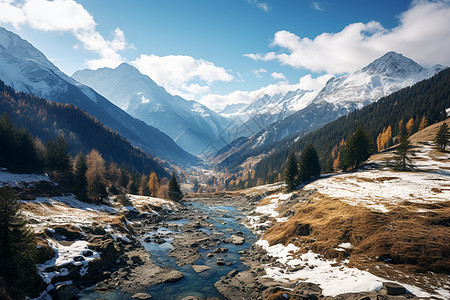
x: 429, y: 98
x: 338, y: 97
x: 26, y: 69
x: 192, y: 125
x: 47, y: 120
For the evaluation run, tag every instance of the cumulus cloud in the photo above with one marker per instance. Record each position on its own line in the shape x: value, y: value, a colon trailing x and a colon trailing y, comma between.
x: 260, y: 4
x: 218, y: 102
x: 176, y: 72
x: 258, y: 72
x: 66, y: 16
x: 423, y: 34
x: 277, y: 75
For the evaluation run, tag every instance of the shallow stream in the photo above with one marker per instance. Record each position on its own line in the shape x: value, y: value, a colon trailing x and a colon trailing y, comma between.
x: 226, y: 220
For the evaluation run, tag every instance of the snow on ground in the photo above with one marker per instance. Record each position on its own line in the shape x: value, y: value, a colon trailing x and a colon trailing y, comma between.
x: 334, y: 278
x: 53, y: 211
x: 380, y: 188
x: 20, y: 180
x: 65, y: 255
x: 258, y: 218
x: 140, y: 201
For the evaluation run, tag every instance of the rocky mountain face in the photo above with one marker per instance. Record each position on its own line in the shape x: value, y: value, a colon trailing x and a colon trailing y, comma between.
x: 299, y: 112
x: 26, y: 69
x: 192, y: 125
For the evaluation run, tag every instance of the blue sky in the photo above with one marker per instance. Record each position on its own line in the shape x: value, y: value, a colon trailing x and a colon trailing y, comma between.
x: 221, y: 52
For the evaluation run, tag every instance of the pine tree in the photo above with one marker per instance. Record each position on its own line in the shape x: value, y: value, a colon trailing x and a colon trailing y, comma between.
x: 358, y: 149
x: 80, y: 181
x: 17, y: 248
x: 309, y: 164
x: 174, y: 193
x: 153, y: 184
x: 290, y: 172
x: 442, y: 137
x: 197, y: 185
x: 403, y: 153
x: 58, y: 158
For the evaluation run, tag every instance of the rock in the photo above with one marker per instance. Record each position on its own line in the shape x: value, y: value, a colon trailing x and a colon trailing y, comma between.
x: 302, y: 229
x: 173, y: 276
x: 210, y: 255
x: 136, y: 260
x: 148, y: 239
x: 237, y: 240
x: 232, y: 273
x: 88, y: 253
x: 159, y: 241
x: 220, y: 262
x: 141, y: 296
x: 220, y: 250
x: 393, y: 289
x: 78, y: 258
x: 200, y: 268
x: 66, y: 292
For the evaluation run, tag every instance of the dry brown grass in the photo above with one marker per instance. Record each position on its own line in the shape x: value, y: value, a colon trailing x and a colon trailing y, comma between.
x: 404, y: 235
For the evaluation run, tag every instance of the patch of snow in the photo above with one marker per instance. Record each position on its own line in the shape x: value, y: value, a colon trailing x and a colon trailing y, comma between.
x: 21, y: 180
x: 332, y: 278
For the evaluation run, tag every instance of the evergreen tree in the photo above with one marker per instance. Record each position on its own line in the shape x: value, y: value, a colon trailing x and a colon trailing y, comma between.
x: 17, y: 248
x: 358, y: 148
x: 290, y: 172
x: 309, y: 165
x: 153, y: 184
x: 442, y: 137
x: 80, y: 181
x: 58, y: 158
x: 403, y: 152
x: 197, y: 185
x: 174, y: 193
x: 132, y: 187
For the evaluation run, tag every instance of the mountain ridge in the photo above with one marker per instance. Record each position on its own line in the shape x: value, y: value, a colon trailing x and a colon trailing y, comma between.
x: 192, y: 125
x: 26, y: 69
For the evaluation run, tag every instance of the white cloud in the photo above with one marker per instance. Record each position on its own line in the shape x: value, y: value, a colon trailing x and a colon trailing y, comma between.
x: 258, y: 72
x: 423, y: 34
x: 260, y: 4
x: 66, y: 16
x: 175, y: 72
x: 277, y: 75
x: 317, y: 6
x: 218, y: 102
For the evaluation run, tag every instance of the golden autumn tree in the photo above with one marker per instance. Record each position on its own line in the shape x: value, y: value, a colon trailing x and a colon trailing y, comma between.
x: 153, y: 184
x: 423, y: 123
x: 410, y: 126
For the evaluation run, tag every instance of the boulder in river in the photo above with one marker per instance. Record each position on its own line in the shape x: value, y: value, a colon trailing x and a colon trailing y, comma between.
x: 141, y: 296
x: 200, y: 268
x: 237, y: 240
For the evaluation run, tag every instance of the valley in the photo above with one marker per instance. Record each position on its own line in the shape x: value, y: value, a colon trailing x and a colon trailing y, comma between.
x: 323, y: 240
x: 207, y: 151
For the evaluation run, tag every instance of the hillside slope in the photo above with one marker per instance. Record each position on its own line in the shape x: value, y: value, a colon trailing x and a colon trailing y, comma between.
x: 82, y: 132
x: 26, y: 69
x: 350, y: 232
x: 192, y: 125
x: 429, y: 98
x: 299, y: 112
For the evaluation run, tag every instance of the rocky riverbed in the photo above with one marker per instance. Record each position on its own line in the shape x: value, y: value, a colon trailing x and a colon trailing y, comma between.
x: 199, y: 249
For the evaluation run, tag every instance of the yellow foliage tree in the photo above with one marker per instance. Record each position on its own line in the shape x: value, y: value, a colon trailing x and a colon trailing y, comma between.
x: 410, y: 126
x: 423, y: 123
x: 153, y: 184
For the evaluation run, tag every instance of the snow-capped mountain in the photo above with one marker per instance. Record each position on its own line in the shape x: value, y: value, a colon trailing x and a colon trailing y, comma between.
x: 299, y: 112
x: 26, y: 69
x: 192, y: 125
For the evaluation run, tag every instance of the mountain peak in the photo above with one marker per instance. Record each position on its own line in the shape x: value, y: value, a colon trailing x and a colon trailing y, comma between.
x: 393, y: 64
